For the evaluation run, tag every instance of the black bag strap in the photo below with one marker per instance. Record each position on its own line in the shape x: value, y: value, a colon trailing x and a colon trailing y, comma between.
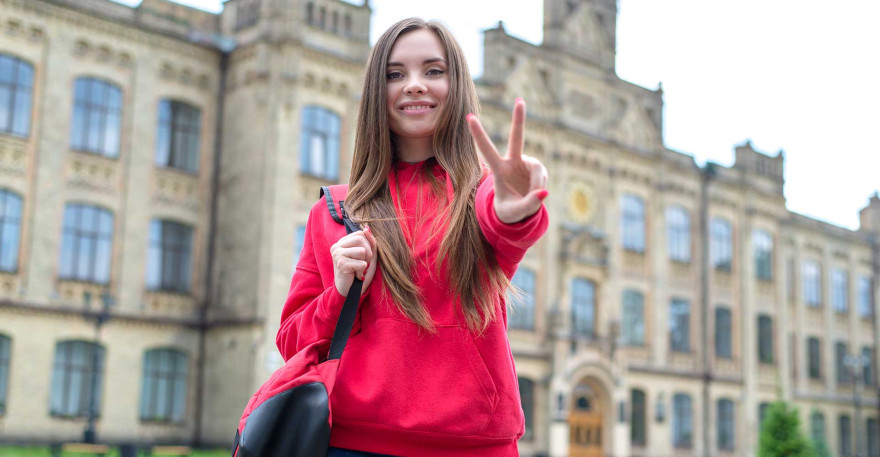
x: 352, y: 300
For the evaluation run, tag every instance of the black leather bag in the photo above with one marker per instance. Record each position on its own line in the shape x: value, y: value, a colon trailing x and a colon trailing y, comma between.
x: 289, y: 415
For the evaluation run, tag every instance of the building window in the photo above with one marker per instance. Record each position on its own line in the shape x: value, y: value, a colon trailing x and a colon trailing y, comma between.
x: 868, y: 367
x: 583, y: 307
x: 845, y: 436
x: 817, y: 426
x: 638, y: 420
x: 763, y: 408
x: 814, y: 351
x: 762, y: 243
x: 723, y: 333
x: 72, y: 378
x: 633, y: 318
x: 319, y: 151
x: 812, y: 284
x: 839, y: 290
x: 180, y: 126
x: 10, y: 230
x: 765, y: 339
x: 97, y: 117
x: 5, y: 350
x: 865, y: 308
x: 86, y: 244
x: 678, y: 234
x: 682, y: 421
x: 725, y: 424
x: 840, y: 351
x: 247, y: 14
x: 163, y: 398
x: 873, y: 439
x: 721, y: 248
x: 170, y: 256
x: 16, y: 88
x: 679, y: 325
x: 527, y: 397
x: 347, y: 25
x: 299, y: 238
x: 633, y: 223
x: 521, y: 311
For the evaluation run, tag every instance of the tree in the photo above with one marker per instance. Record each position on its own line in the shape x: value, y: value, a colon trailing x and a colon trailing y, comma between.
x: 781, y: 434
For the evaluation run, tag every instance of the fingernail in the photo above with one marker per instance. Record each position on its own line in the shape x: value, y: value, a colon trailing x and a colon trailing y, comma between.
x: 469, y: 116
x: 368, y: 230
x: 543, y: 194
x: 518, y: 99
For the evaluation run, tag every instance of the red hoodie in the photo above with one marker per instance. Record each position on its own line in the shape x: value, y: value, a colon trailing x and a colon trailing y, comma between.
x: 401, y: 390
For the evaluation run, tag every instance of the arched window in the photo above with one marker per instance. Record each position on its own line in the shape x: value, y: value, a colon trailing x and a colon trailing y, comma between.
x: 633, y: 318
x: 16, y: 90
x: 319, y: 151
x: 583, y: 307
x: 721, y: 249
x: 10, y: 230
x: 86, y: 244
x: 678, y: 234
x: 633, y: 223
x: 521, y: 309
x: 163, y: 395
x: 76, y: 363
x: 177, y: 145
x: 97, y: 117
x: 169, y: 257
x: 682, y: 421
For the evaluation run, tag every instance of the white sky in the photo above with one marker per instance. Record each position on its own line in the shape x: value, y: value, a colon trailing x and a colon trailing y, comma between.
x: 802, y: 76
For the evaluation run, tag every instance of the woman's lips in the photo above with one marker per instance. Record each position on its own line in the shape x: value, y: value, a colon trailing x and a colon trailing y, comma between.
x: 416, y: 109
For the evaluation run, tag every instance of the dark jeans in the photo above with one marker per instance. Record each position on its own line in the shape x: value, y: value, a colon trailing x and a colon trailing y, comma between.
x: 339, y: 452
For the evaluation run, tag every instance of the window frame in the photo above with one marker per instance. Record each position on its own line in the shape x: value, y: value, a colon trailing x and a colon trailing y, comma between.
x: 98, y: 109
x: 314, y: 127
x: 528, y: 405
x: 726, y: 426
x: 583, y: 307
x: 5, y: 367
x: 523, y: 299
x: 97, y: 240
x: 9, y: 262
x: 811, y: 272
x: 633, y: 317
x: 153, y: 379
x: 675, y: 319
x: 766, y: 343
x: 633, y: 226
x: 682, y: 421
x: 721, y: 247
x: 638, y: 418
x: 762, y: 252
x: 182, y: 282
x: 70, y: 368
x: 814, y: 364
x: 720, y: 332
x: 20, y: 86
x: 839, y: 290
x: 178, y: 136
x: 678, y: 234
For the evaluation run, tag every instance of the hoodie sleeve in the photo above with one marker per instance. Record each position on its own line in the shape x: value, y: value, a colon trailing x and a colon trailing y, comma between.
x: 313, y: 304
x: 510, y: 241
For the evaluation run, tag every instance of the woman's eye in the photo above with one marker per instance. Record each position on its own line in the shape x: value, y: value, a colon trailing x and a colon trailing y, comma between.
x: 435, y: 71
x: 395, y: 75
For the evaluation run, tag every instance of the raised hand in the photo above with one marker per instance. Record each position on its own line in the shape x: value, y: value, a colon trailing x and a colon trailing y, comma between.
x: 520, y: 180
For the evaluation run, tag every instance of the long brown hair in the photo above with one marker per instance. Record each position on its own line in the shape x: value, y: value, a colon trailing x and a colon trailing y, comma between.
x: 471, y: 266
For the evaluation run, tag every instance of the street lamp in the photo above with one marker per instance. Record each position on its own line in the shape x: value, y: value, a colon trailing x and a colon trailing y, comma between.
x: 856, y: 363
x: 89, y: 435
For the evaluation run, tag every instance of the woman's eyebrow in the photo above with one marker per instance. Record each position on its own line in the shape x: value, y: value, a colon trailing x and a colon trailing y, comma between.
x: 427, y: 61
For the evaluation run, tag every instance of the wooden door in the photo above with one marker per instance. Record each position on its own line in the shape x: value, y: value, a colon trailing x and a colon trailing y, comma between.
x: 585, y: 424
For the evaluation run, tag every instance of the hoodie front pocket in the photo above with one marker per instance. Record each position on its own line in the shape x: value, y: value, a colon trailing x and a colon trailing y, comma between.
x: 401, y: 376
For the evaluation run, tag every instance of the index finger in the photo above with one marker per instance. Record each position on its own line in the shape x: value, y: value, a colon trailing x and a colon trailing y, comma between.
x: 517, y: 125
x: 484, y: 143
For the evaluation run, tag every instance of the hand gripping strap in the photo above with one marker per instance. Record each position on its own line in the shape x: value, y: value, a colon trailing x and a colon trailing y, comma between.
x: 349, y: 309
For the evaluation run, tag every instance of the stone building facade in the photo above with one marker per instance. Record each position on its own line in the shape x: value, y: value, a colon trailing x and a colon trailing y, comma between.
x: 157, y: 165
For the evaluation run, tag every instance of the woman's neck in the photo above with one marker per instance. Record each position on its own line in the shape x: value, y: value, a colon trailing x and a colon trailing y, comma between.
x: 414, y: 150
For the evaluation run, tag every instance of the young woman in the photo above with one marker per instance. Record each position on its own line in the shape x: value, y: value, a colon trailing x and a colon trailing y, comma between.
x: 428, y: 369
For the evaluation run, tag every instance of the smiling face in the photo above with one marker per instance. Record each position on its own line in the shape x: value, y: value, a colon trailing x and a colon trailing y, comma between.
x: 417, y: 84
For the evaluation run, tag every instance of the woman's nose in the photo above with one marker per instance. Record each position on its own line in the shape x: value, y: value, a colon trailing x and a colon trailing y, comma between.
x: 415, y: 86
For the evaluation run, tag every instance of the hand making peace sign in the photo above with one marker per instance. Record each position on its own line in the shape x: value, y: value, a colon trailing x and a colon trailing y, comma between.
x: 520, y: 180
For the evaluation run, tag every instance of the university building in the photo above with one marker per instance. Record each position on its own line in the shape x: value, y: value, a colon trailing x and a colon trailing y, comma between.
x: 157, y: 165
